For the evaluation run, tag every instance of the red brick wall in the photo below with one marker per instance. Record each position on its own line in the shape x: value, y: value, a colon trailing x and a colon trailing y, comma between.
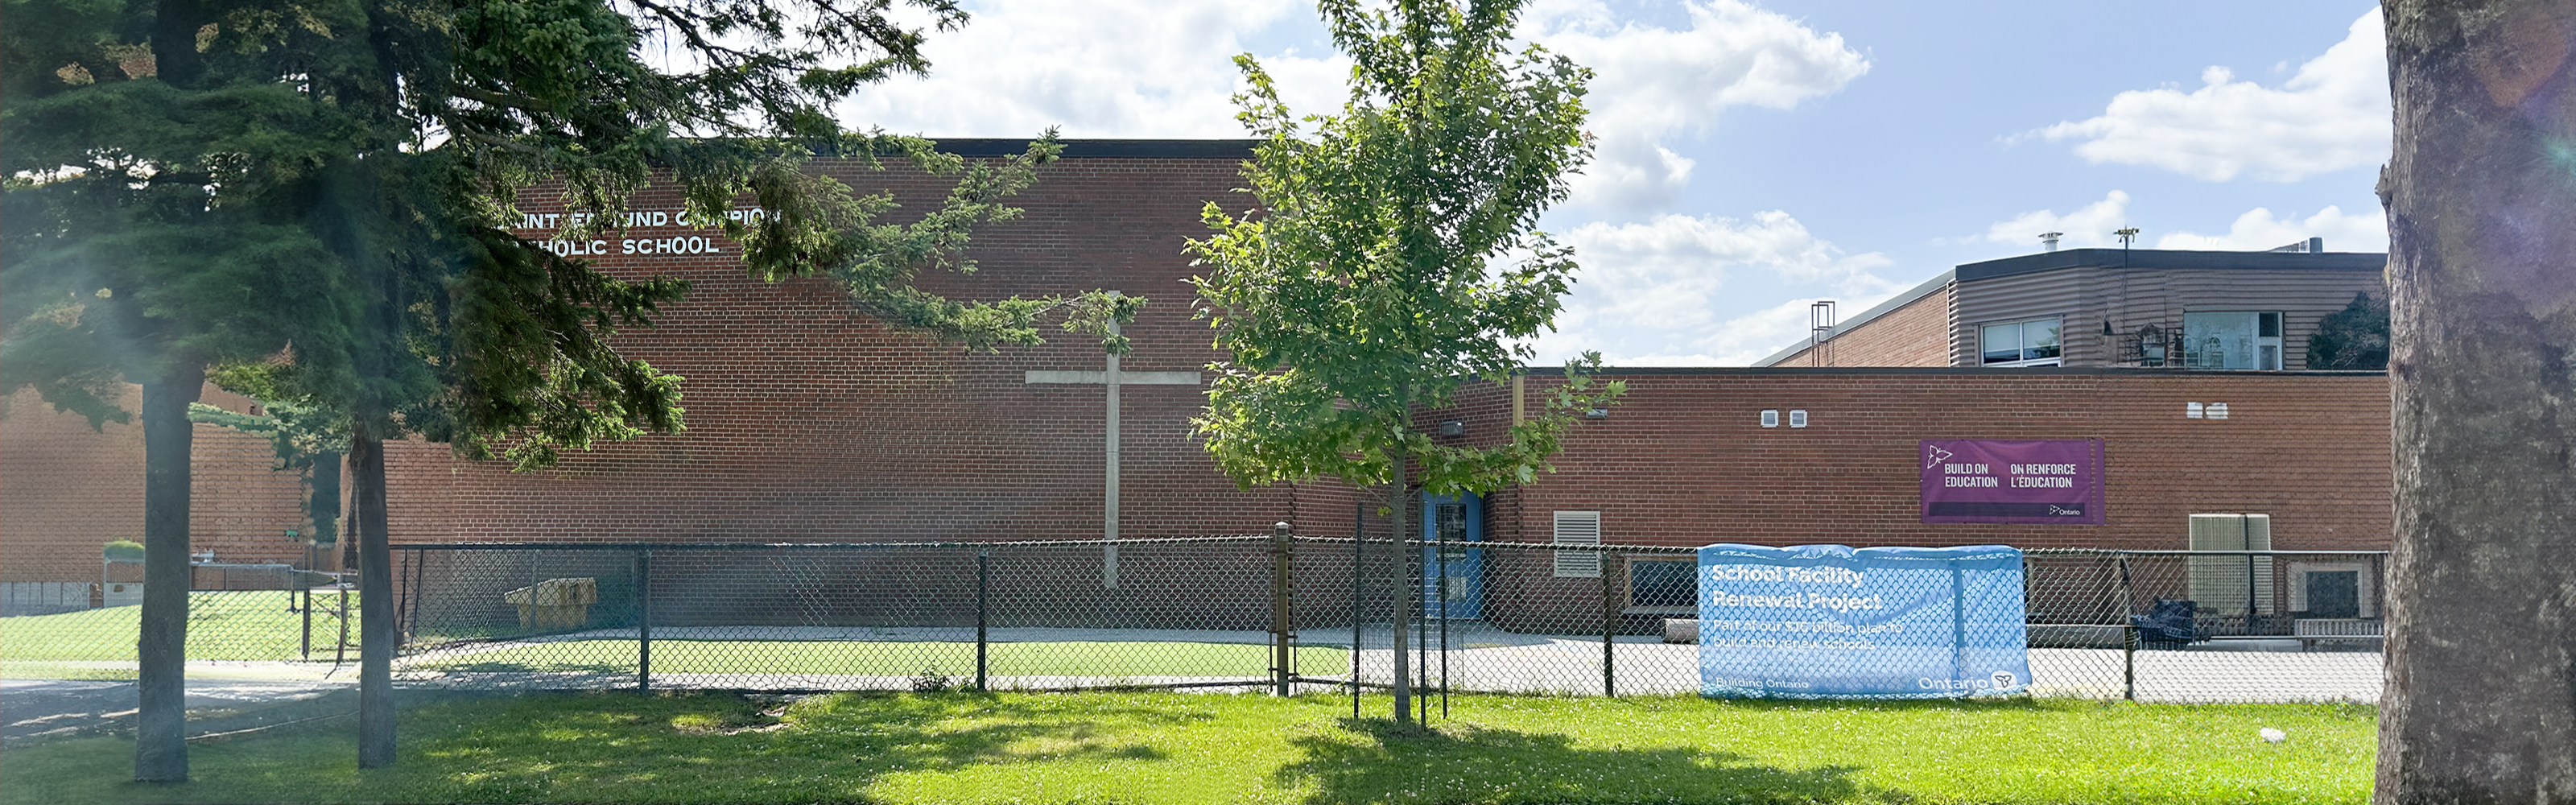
x: 65, y: 489
x: 1915, y: 334
x: 808, y: 420
x: 1684, y: 461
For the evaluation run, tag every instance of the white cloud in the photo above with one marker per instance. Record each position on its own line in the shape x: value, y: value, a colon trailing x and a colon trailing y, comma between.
x: 1137, y: 68
x: 2333, y: 114
x: 1653, y: 84
x: 1126, y: 68
x: 2258, y: 229
x: 2090, y: 225
x: 1649, y: 292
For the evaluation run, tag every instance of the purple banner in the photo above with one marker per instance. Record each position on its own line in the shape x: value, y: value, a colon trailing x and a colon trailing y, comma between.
x: 2005, y: 481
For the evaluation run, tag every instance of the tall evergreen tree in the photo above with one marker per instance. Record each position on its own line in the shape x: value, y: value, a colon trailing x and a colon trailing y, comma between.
x: 1393, y: 259
x: 2354, y: 338
x: 313, y: 196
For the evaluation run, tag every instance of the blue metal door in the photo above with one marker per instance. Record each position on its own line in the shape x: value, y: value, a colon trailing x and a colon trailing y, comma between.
x: 1453, y: 575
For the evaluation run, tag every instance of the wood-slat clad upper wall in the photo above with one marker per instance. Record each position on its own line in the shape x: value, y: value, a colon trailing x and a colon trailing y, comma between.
x: 2132, y: 298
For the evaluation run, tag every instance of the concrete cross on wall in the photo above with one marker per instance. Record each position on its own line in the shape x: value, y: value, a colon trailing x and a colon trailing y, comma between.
x: 1110, y: 377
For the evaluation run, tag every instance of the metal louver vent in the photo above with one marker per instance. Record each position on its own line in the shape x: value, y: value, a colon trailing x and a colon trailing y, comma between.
x: 2232, y: 585
x: 1578, y: 528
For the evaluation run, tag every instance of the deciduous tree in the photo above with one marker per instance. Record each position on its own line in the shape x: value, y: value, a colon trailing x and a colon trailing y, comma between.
x: 1393, y: 258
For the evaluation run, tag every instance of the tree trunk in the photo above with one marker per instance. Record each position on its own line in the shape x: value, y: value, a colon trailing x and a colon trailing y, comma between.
x: 2480, y: 703
x: 375, y: 601
x: 161, y: 648
x: 322, y: 501
x: 1405, y: 593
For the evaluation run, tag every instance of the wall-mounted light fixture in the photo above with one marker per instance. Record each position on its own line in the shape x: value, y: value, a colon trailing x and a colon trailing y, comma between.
x: 1453, y: 428
x: 1797, y: 417
x: 1770, y: 417
x: 2218, y: 410
x: 2191, y: 410
x: 1597, y: 413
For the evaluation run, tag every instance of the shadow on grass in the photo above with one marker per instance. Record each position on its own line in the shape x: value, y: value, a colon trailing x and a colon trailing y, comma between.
x: 617, y: 746
x: 955, y: 730
x: 1459, y: 763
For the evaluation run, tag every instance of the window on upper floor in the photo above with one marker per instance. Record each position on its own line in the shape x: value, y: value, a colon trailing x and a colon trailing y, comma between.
x: 2030, y: 342
x: 2231, y: 339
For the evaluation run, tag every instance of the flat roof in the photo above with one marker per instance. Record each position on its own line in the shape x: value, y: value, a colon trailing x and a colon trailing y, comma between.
x: 2043, y: 371
x: 2174, y: 259
x: 1102, y: 149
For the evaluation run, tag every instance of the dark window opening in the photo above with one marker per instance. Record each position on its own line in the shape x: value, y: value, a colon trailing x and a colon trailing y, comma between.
x: 1662, y: 584
x: 2334, y: 594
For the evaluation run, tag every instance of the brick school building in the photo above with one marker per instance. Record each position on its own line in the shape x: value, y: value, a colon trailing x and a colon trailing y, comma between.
x: 808, y: 421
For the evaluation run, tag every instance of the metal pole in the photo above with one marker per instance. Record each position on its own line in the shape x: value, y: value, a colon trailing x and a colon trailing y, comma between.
x: 2128, y: 632
x: 983, y: 616
x: 1443, y: 586
x: 1609, y: 627
x: 1359, y: 522
x: 2129, y: 656
x: 2128, y: 592
x: 1281, y: 653
x: 2245, y: 531
x: 644, y: 624
x: 340, y: 653
x: 308, y: 621
x: 1109, y: 502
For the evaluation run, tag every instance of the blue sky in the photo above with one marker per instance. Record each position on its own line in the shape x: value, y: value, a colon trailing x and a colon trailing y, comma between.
x: 1756, y: 156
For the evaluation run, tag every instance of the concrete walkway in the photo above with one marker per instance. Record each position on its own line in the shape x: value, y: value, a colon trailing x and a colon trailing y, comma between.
x: 1479, y: 659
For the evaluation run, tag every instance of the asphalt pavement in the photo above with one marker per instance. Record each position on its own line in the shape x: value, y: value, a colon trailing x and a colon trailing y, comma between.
x: 40, y: 708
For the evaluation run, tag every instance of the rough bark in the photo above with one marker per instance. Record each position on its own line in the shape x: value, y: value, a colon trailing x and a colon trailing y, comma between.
x: 2480, y: 705
x: 161, y: 718
x: 375, y: 602
x: 1405, y: 593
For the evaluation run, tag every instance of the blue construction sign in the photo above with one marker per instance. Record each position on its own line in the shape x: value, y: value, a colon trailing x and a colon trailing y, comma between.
x: 1832, y: 622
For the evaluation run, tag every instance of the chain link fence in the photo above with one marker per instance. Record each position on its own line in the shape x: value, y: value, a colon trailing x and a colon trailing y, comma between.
x: 1259, y: 612
x: 2206, y: 626
x: 266, y: 621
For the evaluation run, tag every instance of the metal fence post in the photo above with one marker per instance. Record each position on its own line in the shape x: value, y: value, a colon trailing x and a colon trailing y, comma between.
x: 644, y: 623
x: 983, y: 614
x: 2128, y: 633
x: 1281, y: 653
x: 2129, y: 662
x: 1609, y: 627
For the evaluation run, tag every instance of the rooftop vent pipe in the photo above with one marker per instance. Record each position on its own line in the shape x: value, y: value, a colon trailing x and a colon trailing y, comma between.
x: 2048, y: 240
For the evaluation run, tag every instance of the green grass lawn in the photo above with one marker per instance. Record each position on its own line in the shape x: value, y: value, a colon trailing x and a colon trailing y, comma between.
x: 258, y: 626
x: 891, y: 658
x: 1182, y: 748
x: 222, y: 625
